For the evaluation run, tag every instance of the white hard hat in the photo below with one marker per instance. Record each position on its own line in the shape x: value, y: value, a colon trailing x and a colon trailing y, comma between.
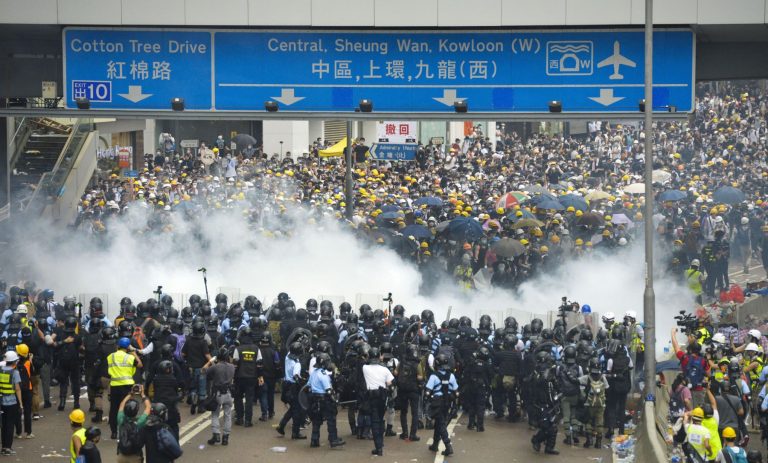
x: 22, y: 308
x: 719, y: 218
x: 751, y: 347
x: 609, y: 316
x: 695, y: 263
x: 11, y: 356
x: 622, y: 241
x: 630, y: 314
x: 755, y: 333
x: 744, y: 220
x: 719, y: 338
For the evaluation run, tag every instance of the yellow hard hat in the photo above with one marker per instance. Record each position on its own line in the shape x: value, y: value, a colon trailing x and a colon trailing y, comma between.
x: 606, y: 233
x: 579, y: 241
x: 588, y: 244
x: 698, y: 413
x: 543, y: 249
x: 570, y: 209
x: 424, y: 245
x: 579, y: 213
x: 524, y: 242
x: 500, y: 211
x: 77, y: 416
x: 519, y: 214
x: 22, y: 349
x: 555, y: 239
x: 537, y: 232
x: 729, y: 433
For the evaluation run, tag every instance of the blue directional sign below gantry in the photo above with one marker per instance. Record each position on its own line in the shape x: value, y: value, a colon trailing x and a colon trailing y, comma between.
x: 402, y: 72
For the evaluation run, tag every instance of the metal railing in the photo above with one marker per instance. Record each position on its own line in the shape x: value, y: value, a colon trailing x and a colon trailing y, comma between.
x: 51, y: 182
x: 19, y: 140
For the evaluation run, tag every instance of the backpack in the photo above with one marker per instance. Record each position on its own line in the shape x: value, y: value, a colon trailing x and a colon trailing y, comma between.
x: 167, y: 443
x: 735, y: 457
x: 406, y: 379
x: 138, y: 336
x: 130, y: 439
x: 596, y: 393
x: 619, y: 371
x: 676, y: 405
x: 694, y: 371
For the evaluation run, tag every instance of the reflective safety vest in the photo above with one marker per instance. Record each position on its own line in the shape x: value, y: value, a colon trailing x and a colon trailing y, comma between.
x: 6, y: 386
x: 702, y: 335
x: 692, y: 276
x: 80, y: 433
x: 754, y: 375
x: 121, y: 368
x: 636, y: 344
x: 697, y: 434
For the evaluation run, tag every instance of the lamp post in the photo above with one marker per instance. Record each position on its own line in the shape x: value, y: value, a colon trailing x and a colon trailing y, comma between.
x: 649, y: 298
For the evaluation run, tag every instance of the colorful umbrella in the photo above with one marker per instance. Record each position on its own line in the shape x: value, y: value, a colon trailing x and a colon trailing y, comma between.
x: 507, y: 201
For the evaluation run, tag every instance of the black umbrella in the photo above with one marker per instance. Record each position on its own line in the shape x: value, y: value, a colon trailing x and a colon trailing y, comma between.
x: 242, y: 140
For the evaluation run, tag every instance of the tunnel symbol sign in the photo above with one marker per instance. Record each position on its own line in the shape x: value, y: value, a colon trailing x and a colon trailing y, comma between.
x: 571, y: 58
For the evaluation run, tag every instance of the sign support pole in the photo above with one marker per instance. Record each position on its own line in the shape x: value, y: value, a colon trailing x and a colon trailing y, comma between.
x: 348, y: 177
x: 649, y: 298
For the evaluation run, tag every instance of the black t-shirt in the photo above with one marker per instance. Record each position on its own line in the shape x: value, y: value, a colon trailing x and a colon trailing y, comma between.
x: 90, y: 452
x: 360, y: 151
x: 195, y: 350
x: 68, y: 352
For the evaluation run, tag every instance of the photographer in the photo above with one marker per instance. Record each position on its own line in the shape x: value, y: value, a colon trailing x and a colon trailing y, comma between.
x: 695, y: 368
x: 122, y: 366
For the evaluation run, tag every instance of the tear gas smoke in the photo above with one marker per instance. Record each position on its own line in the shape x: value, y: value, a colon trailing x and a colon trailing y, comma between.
x: 314, y: 261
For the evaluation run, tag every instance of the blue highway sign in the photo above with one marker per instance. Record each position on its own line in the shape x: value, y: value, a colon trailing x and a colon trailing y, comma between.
x: 137, y: 69
x: 403, y: 72
x: 394, y: 151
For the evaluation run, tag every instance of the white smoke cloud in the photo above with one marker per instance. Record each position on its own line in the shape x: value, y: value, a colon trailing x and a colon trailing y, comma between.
x: 319, y: 260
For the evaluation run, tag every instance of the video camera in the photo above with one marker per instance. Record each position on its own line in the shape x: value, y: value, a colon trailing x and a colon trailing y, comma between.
x: 687, y: 322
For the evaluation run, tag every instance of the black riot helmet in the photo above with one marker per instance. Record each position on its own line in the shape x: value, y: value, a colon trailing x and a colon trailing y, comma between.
x: 364, y: 308
x: 323, y: 346
x: 374, y: 355
x: 235, y: 316
x: 326, y: 312
x: 152, y: 306
x: 177, y: 326
x: 378, y: 314
x: 296, y: 348
x: 95, y: 325
x: 569, y: 355
x: 275, y: 314
x: 398, y: 311
x: 172, y: 315
x: 70, y: 325
x: 159, y: 411
x: 320, y: 330
x: 311, y: 305
x: 485, y: 321
x: 108, y: 333
x: 427, y: 316
x: 352, y: 318
x: 386, y: 349
x: 301, y: 315
x: 130, y: 313
x: 594, y: 367
x: 442, y: 360
x: 586, y: 335
x: 465, y: 321
x: 412, y: 352
x: 166, y: 352
x: 511, y: 323
x: 142, y: 310
x: 258, y: 324
x: 536, y: 326
x: 166, y: 300
x: 424, y: 340
x: 367, y: 316
x: 547, y: 334
x: 125, y: 329
x: 194, y: 300
x: 323, y: 360
x: 483, y: 353
x: 125, y: 303
x: 453, y: 324
x: 164, y: 367
x: 252, y: 305
x: 414, y: 318
x: 266, y: 338
x: 95, y: 302
x: 345, y: 308
x: 282, y: 299
x: 498, y: 337
x: 198, y: 328
x: 221, y: 298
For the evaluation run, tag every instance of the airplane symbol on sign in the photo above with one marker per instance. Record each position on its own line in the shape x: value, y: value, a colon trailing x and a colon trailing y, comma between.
x: 616, y: 60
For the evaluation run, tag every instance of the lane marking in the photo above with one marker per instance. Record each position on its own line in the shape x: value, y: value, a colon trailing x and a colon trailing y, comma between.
x: 200, y: 428
x: 194, y: 423
x: 439, y: 458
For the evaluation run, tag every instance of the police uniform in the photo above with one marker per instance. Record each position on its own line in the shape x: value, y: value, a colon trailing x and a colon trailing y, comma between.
x: 246, y: 357
x: 442, y: 387
x: 377, y: 380
x: 292, y: 384
x: 322, y: 406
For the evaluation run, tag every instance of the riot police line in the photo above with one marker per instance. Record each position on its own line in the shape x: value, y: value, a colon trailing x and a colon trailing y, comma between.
x: 322, y: 358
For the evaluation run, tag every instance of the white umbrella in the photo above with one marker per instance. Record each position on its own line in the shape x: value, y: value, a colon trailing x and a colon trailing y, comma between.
x: 635, y: 189
x: 661, y: 176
